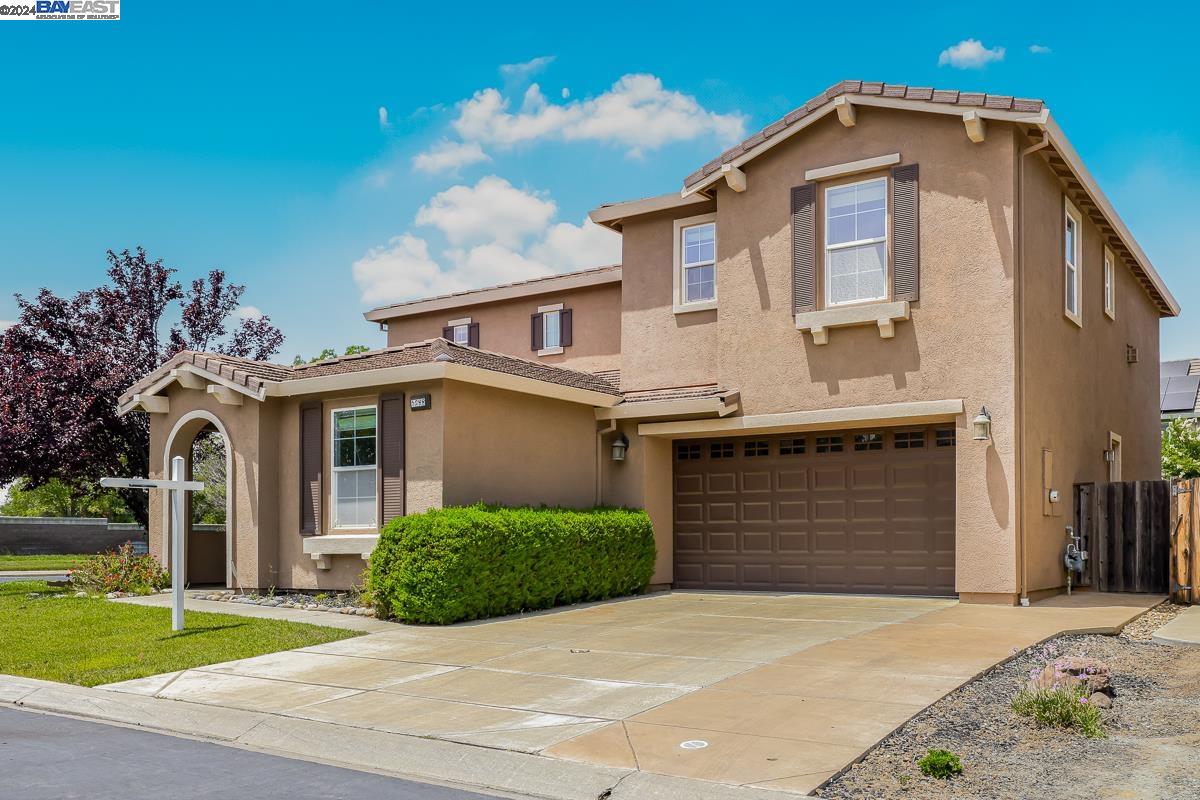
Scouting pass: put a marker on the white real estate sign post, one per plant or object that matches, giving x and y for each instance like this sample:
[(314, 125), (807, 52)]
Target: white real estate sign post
[(176, 486)]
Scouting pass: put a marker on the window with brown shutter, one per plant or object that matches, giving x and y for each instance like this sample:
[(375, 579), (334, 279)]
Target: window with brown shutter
[(473, 335), (391, 457), (906, 273), (804, 248), (564, 320), (448, 333), (535, 332), (311, 439)]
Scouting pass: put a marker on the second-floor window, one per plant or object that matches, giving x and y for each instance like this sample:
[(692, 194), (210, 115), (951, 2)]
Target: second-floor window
[(856, 246), (1110, 278), (551, 329), (461, 334), (699, 263), (1071, 264)]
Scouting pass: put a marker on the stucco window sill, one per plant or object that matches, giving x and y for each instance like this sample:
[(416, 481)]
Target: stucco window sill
[(322, 548), (884, 315), (688, 308), (550, 351)]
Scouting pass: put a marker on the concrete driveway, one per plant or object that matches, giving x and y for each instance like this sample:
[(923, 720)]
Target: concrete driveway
[(771, 691)]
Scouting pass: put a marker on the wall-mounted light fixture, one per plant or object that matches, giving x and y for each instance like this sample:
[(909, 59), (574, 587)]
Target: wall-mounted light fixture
[(982, 425), (619, 446)]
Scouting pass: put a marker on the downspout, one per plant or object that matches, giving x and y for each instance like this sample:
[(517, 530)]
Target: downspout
[(1019, 427), (602, 430)]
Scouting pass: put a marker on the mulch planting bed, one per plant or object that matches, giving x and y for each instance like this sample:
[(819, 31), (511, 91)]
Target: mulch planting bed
[(1151, 751)]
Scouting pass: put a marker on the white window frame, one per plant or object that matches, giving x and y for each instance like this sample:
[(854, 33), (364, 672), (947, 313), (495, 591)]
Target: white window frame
[(886, 239), (1073, 271), (557, 310), (334, 470), (682, 307), (464, 325), (1110, 283)]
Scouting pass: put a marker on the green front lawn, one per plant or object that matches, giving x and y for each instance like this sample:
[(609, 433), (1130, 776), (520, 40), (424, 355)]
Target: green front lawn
[(22, 563), (51, 634)]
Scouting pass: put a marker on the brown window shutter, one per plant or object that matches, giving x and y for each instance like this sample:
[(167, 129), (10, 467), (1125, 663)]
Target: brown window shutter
[(906, 242), (804, 248), (448, 333), (473, 334), (391, 458), (535, 332), (312, 417), (565, 326)]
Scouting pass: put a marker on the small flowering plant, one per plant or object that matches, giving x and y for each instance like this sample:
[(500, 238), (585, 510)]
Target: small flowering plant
[(120, 570), (1057, 698)]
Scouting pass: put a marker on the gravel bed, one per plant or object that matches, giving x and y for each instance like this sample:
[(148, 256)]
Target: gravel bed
[(336, 603), (1152, 751), (1142, 628)]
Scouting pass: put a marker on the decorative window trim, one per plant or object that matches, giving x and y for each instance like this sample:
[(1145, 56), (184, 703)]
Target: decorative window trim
[(852, 167), (886, 239), (680, 307), (884, 315), (461, 321), (334, 470), (1072, 213), (1110, 283)]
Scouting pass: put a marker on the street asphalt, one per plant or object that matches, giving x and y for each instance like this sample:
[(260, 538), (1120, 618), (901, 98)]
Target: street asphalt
[(44, 757), (14, 577)]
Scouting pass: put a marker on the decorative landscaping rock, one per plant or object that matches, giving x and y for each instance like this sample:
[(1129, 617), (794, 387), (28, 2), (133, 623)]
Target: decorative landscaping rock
[(335, 603), (1093, 675), (1100, 700)]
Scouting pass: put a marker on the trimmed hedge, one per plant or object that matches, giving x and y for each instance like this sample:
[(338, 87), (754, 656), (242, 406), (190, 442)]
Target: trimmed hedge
[(453, 564)]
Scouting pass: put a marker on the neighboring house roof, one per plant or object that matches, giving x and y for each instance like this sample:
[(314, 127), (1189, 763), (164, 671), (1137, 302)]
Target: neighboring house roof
[(973, 108), (673, 393), (1179, 388), (534, 286), (257, 379)]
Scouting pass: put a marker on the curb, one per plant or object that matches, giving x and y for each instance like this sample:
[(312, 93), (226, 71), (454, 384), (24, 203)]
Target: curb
[(469, 767)]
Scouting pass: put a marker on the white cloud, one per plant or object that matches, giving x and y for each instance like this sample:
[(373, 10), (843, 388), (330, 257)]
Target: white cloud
[(637, 113), (526, 69), (383, 118), (448, 156), (400, 270), (1039, 49), (249, 312), (496, 234), (970, 54), (492, 210)]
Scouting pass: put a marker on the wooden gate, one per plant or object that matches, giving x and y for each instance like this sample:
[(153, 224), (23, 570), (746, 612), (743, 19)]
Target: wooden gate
[(1185, 541), (1126, 529)]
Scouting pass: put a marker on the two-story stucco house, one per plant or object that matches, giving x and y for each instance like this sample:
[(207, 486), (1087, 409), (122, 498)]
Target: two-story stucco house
[(788, 370)]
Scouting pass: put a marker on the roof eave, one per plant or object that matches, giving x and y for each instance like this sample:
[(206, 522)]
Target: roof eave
[(613, 215)]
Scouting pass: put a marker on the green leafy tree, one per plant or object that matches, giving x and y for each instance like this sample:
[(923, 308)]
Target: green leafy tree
[(1181, 449), (209, 466), (57, 499), (329, 352)]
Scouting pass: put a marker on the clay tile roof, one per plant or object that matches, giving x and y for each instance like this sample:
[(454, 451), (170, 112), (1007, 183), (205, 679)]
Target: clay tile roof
[(899, 91), (254, 374), (674, 393)]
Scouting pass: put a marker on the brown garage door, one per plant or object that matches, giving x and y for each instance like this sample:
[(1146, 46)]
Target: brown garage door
[(850, 511)]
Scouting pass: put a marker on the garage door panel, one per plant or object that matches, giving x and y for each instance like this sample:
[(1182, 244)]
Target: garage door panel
[(782, 516)]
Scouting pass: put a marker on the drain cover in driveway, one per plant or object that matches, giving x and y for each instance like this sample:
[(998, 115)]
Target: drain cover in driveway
[(694, 744)]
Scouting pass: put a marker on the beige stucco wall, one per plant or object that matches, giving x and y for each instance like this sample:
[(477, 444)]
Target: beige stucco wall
[(504, 326), (1077, 385), (643, 480), (661, 348), (517, 449), (958, 344)]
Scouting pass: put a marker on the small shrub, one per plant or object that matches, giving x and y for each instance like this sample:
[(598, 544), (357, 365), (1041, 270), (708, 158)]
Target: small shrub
[(120, 570), (454, 564), (1064, 706), (940, 764)]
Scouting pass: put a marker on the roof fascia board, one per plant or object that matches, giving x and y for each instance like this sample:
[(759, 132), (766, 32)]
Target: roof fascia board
[(1037, 118), (667, 408), (612, 215), (913, 413), (447, 370), (1064, 148), (559, 283)]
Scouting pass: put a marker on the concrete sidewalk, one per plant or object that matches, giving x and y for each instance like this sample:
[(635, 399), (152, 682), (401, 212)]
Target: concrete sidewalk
[(1183, 630)]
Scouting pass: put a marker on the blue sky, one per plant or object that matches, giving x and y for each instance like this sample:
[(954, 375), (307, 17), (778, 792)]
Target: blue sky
[(253, 139)]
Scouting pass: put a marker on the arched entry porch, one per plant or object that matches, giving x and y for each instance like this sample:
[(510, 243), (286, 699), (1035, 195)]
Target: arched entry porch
[(202, 439)]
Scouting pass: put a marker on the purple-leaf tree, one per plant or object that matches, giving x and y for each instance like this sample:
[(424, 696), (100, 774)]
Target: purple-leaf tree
[(66, 361)]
